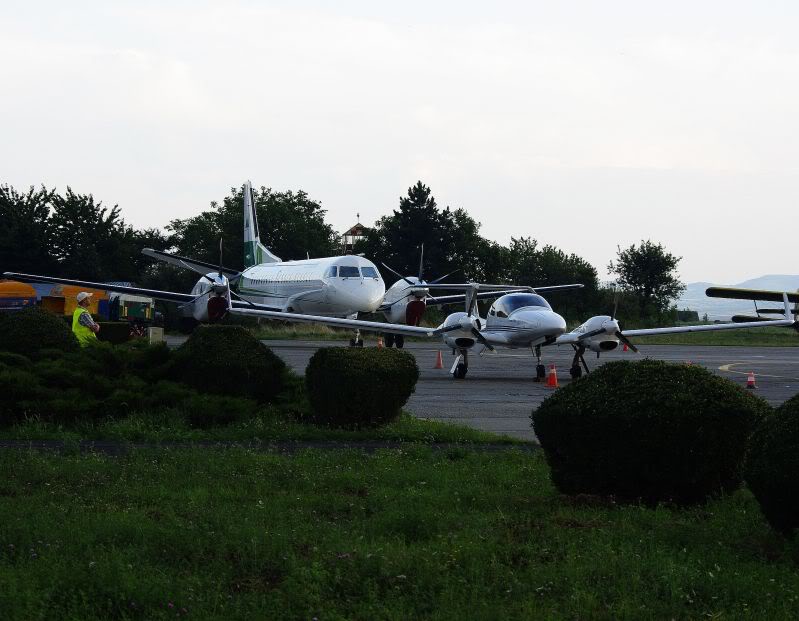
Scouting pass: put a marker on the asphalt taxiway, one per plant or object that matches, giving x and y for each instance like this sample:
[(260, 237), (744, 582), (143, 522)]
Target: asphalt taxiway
[(499, 393)]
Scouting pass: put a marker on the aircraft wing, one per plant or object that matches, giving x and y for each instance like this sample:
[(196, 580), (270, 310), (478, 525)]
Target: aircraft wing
[(733, 293), (168, 296), (776, 323), (441, 300), (339, 322)]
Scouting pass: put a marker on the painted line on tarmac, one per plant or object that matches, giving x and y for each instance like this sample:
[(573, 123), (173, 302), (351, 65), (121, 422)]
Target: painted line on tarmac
[(727, 368)]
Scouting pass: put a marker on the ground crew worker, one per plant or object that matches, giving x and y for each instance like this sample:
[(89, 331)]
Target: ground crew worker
[(83, 326)]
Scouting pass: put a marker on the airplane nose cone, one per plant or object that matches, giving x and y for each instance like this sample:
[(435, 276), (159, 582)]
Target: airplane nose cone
[(553, 324), (362, 295)]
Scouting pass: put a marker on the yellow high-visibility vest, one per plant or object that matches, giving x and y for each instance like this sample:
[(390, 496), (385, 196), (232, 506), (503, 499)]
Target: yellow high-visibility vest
[(84, 335)]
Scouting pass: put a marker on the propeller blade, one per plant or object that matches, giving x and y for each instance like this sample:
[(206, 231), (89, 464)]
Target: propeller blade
[(397, 274), (241, 299), (615, 302), (193, 300), (482, 339), (220, 257), (626, 341), (421, 263), (438, 280)]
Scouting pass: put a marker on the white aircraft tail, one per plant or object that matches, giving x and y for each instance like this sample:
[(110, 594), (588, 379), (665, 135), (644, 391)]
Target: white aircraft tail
[(254, 251)]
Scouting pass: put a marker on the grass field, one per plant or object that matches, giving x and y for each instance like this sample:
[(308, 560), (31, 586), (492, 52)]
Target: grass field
[(268, 426), (755, 337), (412, 534)]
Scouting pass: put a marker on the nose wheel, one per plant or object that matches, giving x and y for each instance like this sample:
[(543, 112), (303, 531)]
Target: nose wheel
[(461, 365), (540, 369)]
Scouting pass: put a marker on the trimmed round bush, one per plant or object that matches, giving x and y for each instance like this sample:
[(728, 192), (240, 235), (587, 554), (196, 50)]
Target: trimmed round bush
[(353, 387), (32, 329), (648, 431), (772, 471), (229, 360)]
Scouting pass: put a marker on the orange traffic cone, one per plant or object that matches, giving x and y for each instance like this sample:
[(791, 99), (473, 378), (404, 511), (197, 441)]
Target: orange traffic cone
[(625, 348), (439, 361), (380, 342), (750, 380), (552, 378)]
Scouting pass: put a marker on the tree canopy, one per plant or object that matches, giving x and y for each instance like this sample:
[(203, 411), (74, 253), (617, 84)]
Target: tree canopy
[(73, 235), (451, 239), (291, 225), (650, 273)]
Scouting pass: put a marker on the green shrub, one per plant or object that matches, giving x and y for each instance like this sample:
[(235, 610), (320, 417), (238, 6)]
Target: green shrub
[(228, 360), (648, 431), (114, 332), (356, 387), (15, 361), (21, 391), (206, 411), (30, 330), (772, 471)]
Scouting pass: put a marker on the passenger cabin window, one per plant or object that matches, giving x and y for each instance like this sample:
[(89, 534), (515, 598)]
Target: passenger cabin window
[(369, 272), (348, 271)]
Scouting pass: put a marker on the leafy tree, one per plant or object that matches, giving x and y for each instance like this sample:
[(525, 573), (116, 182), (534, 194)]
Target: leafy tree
[(291, 224), (25, 233), (650, 273), (451, 239), (90, 241)]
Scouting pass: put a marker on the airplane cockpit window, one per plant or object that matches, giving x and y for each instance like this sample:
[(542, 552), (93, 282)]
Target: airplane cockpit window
[(331, 271), (369, 272), (505, 305), (348, 271)]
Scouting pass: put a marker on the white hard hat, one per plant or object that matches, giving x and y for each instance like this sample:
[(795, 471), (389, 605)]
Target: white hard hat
[(83, 295)]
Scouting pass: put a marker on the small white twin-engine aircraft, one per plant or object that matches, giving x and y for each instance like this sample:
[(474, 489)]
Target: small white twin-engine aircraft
[(515, 320), (341, 286), (407, 299)]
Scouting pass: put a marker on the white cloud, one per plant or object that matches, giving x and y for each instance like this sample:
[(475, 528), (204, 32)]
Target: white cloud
[(582, 127)]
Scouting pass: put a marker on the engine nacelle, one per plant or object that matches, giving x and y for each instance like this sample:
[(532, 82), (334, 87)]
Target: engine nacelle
[(604, 341), (463, 338), (210, 299), (601, 344)]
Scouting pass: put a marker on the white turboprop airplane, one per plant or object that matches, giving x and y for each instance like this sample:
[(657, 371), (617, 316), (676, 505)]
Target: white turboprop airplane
[(407, 299), (341, 286), (517, 320)]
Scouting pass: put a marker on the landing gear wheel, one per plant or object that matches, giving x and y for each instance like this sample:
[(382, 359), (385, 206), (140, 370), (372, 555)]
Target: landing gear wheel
[(389, 340), (576, 372), (356, 343), (400, 341), (540, 372), (460, 371)]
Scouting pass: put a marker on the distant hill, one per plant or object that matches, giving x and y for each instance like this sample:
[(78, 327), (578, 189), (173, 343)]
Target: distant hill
[(694, 298)]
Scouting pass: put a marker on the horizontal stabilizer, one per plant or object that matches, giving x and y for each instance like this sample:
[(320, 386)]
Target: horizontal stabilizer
[(201, 267), (734, 293)]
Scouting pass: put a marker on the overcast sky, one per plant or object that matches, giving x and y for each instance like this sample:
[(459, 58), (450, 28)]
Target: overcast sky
[(581, 124)]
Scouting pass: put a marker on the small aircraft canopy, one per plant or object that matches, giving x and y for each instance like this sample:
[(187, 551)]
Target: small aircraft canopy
[(505, 305)]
